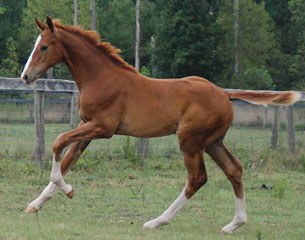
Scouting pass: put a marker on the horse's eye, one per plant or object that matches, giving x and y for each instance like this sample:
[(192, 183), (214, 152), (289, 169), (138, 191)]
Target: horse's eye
[(44, 47)]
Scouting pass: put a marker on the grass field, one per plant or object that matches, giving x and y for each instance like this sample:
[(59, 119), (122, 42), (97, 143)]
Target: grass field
[(115, 195)]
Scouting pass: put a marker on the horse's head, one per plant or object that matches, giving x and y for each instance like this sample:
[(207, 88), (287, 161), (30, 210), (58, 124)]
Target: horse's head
[(47, 51)]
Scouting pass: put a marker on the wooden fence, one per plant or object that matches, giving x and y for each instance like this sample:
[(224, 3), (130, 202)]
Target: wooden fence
[(41, 86)]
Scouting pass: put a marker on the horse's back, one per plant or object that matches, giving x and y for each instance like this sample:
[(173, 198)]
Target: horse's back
[(163, 106), (205, 95)]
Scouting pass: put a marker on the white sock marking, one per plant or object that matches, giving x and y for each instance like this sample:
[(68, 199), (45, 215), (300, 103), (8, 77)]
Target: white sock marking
[(169, 213), (57, 177), (31, 56), (46, 194), (240, 217)]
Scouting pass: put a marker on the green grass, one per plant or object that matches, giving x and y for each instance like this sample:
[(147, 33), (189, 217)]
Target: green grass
[(115, 196)]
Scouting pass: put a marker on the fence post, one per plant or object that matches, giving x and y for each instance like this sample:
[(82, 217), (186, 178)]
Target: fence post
[(291, 130), (275, 128), (142, 148), (265, 116), (39, 152), (74, 108)]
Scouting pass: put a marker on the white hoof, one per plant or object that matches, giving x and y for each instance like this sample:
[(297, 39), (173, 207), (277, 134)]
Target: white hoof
[(68, 190), (155, 223), (169, 213), (232, 226), (31, 209)]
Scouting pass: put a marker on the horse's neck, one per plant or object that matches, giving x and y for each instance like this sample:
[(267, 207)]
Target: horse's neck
[(85, 62)]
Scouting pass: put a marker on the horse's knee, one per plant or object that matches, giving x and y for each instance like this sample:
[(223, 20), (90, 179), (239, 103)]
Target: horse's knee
[(194, 184), (59, 145)]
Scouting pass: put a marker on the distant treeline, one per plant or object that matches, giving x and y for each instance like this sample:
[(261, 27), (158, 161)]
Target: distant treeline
[(249, 44)]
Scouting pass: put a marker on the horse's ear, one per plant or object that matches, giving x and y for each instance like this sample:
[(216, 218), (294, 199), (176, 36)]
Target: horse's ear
[(50, 23), (40, 24)]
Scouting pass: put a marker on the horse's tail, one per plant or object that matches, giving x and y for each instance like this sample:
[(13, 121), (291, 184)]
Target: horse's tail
[(266, 97)]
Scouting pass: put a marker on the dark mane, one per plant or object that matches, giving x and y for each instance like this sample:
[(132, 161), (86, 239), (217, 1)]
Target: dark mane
[(94, 38)]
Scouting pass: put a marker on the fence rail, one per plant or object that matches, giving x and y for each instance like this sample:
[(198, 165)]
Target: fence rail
[(59, 85), (46, 85), (40, 87), (40, 105)]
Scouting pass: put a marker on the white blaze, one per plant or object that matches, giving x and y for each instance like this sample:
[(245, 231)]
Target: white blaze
[(31, 56)]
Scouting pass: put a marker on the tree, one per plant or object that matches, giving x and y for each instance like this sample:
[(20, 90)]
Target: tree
[(186, 38), (41, 8), (9, 66), (116, 23), (287, 60), (256, 78), (10, 18), (250, 44), (297, 8)]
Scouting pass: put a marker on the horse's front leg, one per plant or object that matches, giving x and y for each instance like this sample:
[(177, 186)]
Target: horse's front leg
[(71, 156), (85, 132)]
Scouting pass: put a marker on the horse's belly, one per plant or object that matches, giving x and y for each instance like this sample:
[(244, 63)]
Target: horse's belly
[(147, 129)]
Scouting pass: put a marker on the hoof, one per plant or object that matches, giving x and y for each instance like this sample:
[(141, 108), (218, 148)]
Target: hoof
[(70, 194), (155, 223), (231, 227), (31, 209), (225, 231)]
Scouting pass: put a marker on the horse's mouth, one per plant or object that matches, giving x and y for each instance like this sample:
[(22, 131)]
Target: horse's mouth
[(28, 79)]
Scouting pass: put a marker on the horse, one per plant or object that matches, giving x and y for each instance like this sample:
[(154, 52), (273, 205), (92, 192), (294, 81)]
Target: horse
[(116, 99)]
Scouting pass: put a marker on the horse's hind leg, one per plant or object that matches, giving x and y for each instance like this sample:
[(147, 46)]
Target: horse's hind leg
[(69, 159), (196, 179), (233, 170)]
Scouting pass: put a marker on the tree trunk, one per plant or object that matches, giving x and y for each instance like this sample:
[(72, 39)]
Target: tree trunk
[(92, 15), (142, 143), (50, 73), (236, 37), (153, 56), (74, 97), (138, 30), (75, 20)]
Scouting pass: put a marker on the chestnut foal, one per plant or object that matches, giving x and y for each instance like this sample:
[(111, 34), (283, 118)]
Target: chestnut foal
[(116, 99)]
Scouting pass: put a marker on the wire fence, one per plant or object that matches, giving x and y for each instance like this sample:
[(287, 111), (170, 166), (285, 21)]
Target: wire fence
[(253, 129)]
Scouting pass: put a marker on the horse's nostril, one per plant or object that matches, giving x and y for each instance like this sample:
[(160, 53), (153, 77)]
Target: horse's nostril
[(25, 77)]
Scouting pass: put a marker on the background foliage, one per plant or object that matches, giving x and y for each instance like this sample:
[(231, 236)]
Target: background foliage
[(192, 37)]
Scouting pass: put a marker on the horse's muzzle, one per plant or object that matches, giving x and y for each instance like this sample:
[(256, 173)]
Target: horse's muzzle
[(28, 79)]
